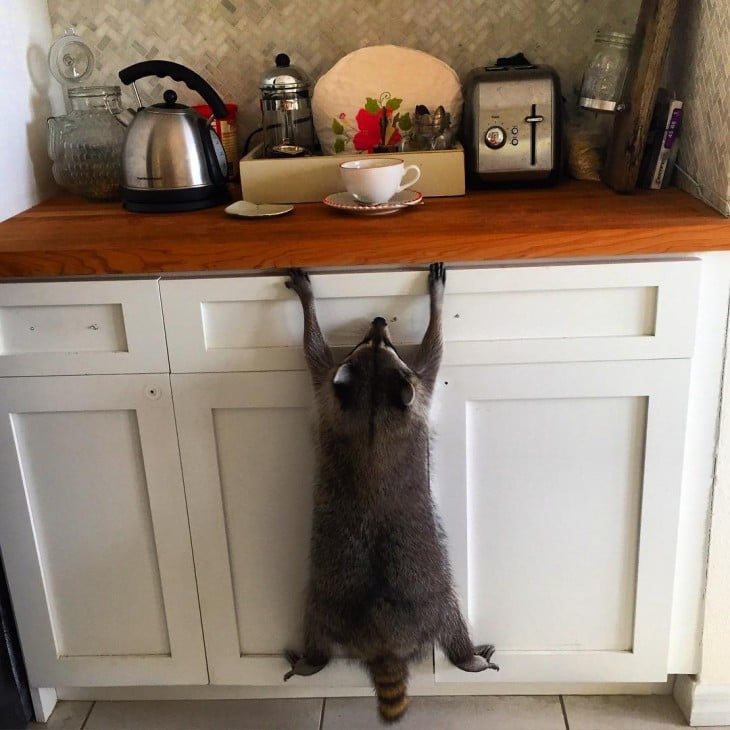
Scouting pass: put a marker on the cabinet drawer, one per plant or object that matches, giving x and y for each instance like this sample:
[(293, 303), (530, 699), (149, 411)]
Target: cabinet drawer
[(72, 327), (501, 314)]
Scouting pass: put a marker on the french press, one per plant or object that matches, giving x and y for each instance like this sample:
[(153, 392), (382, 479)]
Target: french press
[(286, 111)]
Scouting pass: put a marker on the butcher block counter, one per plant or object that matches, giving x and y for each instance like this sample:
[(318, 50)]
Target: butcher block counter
[(66, 236)]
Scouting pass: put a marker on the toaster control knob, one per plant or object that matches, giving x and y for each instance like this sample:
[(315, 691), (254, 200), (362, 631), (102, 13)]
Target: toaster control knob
[(495, 137)]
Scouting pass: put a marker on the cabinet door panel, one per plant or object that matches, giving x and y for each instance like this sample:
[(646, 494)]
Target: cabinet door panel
[(83, 521), (559, 487), (94, 532), (543, 482), (267, 505), (248, 463)]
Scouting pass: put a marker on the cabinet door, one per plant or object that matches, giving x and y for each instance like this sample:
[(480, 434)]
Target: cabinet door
[(248, 462), (559, 488), (94, 532)]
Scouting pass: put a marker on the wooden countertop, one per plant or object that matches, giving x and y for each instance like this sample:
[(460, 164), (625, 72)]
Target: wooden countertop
[(68, 237)]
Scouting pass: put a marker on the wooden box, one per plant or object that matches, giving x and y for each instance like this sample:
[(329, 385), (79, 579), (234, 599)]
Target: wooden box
[(310, 179)]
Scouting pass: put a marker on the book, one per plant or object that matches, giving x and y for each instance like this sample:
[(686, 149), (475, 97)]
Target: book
[(662, 142)]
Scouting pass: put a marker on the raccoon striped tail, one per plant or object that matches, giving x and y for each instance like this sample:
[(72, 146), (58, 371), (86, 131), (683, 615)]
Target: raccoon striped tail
[(390, 678)]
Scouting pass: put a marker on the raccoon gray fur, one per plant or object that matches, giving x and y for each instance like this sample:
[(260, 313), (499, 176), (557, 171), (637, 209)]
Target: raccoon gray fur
[(380, 583)]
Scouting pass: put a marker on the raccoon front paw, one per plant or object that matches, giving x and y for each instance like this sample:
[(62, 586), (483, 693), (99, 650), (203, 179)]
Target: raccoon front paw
[(480, 661), (299, 282), (436, 286), (301, 666), (437, 273)]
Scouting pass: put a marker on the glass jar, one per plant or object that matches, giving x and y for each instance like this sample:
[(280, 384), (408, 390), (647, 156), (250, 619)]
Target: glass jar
[(86, 144), (604, 78)]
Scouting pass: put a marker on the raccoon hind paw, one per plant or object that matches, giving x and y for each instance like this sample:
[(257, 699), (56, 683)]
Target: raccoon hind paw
[(301, 666), (480, 660)]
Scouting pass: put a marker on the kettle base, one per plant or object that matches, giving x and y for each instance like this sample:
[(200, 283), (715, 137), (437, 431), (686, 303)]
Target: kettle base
[(174, 200)]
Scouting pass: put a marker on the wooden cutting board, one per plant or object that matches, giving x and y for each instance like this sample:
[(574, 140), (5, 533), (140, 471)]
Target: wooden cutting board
[(653, 32)]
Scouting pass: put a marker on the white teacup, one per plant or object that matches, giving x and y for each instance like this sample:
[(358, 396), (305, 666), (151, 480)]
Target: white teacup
[(376, 179)]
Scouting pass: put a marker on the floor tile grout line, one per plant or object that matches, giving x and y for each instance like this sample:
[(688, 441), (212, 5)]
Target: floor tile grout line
[(321, 713), (88, 715), (565, 712)]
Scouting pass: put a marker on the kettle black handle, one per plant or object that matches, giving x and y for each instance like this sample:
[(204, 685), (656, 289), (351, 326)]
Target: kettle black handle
[(178, 72)]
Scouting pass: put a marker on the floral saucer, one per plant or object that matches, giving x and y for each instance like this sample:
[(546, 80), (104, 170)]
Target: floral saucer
[(345, 202)]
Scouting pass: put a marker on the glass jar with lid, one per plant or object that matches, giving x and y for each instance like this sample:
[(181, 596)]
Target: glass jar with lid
[(85, 145), (604, 78)]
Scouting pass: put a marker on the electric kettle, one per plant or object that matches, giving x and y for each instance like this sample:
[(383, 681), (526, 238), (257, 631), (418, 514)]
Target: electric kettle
[(172, 158)]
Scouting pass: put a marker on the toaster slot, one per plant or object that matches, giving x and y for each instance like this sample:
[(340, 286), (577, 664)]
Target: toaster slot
[(533, 138), (533, 120)]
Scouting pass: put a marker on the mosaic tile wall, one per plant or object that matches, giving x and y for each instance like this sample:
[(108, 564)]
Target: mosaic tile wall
[(700, 71), (232, 43)]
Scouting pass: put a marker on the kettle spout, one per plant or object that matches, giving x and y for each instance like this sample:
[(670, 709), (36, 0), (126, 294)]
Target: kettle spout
[(125, 116)]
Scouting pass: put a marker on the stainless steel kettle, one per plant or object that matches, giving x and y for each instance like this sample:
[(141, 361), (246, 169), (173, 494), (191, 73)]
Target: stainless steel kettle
[(172, 158)]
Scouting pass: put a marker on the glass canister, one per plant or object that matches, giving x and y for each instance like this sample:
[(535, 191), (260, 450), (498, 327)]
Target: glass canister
[(86, 144), (604, 78), (286, 111)]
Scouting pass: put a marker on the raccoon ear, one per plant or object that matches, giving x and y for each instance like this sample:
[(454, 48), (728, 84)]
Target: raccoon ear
[(407, 393), (342, 384), (343, 376)]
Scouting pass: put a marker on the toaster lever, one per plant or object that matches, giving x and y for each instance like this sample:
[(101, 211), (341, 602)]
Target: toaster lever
[(533, 120)]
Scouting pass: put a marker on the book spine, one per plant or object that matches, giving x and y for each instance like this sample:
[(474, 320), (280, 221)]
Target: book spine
[(669, 140)]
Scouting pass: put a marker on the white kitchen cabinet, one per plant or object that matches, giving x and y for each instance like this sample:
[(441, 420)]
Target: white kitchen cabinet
[(559, 487), (94, 532), (248, 461), (559, 468), (558, 444)]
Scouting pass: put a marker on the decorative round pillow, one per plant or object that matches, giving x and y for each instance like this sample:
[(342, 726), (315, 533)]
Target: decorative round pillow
[(366, 102)]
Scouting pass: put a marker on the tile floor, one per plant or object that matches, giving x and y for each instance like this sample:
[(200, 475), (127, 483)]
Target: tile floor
[(425, 713)]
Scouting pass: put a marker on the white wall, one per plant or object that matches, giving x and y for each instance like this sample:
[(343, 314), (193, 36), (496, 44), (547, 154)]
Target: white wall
[(716, 633), (30, 95)]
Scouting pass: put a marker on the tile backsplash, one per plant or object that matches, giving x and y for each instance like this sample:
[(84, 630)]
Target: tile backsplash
[(231, 43), (699, 69)]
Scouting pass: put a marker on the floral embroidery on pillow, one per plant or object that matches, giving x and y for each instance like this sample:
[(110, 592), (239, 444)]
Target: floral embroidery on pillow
[(378, 124)]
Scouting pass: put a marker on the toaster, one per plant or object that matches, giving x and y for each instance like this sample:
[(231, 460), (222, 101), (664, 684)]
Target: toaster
[(512, 125)]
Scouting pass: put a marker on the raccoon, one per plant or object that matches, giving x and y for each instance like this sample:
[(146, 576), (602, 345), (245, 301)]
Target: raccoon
[(380, 583)]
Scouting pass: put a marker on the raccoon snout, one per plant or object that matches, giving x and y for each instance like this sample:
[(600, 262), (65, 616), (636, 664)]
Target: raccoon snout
[(378, 335)]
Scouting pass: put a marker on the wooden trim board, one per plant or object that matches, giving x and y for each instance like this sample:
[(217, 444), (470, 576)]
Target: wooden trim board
[(654, 28)]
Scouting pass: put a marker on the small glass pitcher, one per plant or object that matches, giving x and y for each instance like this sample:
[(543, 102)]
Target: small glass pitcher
[(86, 144)]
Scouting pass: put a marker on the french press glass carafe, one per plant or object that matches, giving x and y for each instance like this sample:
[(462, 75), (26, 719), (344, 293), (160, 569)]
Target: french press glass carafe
[(286, 111)]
